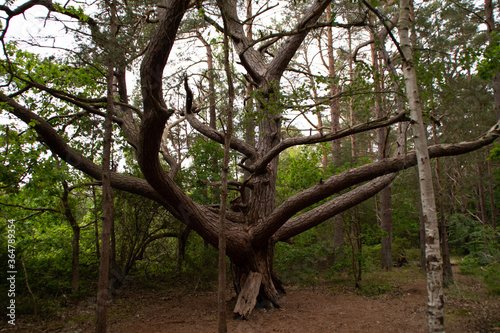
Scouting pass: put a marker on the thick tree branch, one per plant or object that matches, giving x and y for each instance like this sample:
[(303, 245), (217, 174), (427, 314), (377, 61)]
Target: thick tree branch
[(262, 163), (59, 147), (197, 217), (252, 60), (156, 115), (352, 177), (291, 45), (183, 211), (217, 136), (331, 208)]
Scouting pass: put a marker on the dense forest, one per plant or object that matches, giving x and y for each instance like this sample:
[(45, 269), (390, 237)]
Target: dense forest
[(273, 142)]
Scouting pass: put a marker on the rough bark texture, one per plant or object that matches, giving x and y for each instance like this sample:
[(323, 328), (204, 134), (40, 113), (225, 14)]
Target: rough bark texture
[(435, 305), (492, 201)]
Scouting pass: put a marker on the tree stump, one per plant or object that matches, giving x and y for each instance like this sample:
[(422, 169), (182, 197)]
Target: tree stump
[(248, 295)]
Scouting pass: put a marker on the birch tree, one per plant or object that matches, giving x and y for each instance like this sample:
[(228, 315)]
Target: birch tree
[(435, 303)]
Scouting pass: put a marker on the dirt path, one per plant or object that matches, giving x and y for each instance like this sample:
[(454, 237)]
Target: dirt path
[(319, 309), (315, 310)]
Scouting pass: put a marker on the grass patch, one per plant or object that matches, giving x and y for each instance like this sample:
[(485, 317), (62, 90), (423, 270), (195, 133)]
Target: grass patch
[(375, 288), (376, 281)]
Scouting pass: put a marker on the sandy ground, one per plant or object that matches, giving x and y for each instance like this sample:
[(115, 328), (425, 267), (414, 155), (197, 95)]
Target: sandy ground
[(304, 309)]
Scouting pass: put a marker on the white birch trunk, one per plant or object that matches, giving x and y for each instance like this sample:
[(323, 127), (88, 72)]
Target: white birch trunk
[(435, 303)]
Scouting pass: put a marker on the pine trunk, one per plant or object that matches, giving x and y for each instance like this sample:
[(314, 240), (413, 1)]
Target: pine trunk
[(383, 152), (334, 102), (443, 233), (107, 191), (75, 241), (259, 261)]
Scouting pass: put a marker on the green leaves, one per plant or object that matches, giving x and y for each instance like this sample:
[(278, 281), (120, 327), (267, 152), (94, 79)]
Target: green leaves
[(76, 12), (495, 152), (490, 65), (24, 67)]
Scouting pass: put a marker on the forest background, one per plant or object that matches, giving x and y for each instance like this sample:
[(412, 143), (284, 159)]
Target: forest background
[(344, 78)]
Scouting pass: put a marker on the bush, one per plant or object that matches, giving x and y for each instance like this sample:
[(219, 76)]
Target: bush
[(301, 262), (492, 278)]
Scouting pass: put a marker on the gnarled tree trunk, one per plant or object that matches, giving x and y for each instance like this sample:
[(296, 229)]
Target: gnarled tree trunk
[(259, 260)]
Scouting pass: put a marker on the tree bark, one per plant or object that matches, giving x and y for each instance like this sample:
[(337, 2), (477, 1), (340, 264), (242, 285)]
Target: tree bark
[(96, 225), (334, 102), (490, 20), (259, 260), (222, 318), (383, 152), (75, 241), (422, 238), (492, 200), (351, 99), (435, 305), (445, 250), (107, 191), (247, 298)]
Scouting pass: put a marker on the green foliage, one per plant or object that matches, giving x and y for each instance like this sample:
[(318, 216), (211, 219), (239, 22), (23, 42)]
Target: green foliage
[(490, 65), (72, 11), (469, 236), (207, 162), (303, 261), (495, 151), (138, 221), (375, 288), (199, 269), (299, 169), (64, 75), (490, 273), (492, 278), (480, 244)]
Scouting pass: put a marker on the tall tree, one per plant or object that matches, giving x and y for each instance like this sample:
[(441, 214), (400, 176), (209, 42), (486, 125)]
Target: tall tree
[(107, 191), (494, 39), (256, 223), (435, 305), (385, 210)]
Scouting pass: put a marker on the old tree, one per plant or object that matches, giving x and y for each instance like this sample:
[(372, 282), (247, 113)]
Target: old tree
[(63, 98)]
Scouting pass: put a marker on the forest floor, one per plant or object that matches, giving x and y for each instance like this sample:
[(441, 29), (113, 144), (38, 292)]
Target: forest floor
[(389, 302)]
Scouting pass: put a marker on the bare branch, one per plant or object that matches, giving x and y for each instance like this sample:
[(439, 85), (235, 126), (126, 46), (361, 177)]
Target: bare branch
[(367, 172), (37, 209), (331, 208), (382, 122), (383, 21)]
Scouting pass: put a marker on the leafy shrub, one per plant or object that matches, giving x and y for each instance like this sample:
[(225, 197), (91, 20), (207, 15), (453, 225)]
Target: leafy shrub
[(301, 262), (492, 278)]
